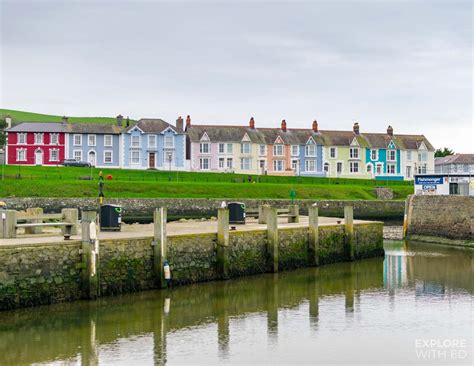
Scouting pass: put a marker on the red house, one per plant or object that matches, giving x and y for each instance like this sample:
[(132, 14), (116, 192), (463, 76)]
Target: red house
[(36, 143)]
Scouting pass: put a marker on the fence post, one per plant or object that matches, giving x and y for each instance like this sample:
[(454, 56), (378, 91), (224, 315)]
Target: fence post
[(272, 239), (313, 235), (223, 243), (90, 255), (262, 213), (349, 231), (7, 224), (34, 230), (159, 244), (293, 214), (70, 215)]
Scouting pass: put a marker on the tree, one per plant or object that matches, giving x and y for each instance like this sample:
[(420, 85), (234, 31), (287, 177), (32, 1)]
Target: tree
[(3, 139), (441, 153)]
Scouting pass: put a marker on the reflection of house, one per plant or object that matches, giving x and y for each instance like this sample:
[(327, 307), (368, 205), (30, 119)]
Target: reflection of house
[(36, 143), (458, 163)]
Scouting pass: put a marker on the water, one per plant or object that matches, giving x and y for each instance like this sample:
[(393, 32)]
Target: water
[(413, 306)]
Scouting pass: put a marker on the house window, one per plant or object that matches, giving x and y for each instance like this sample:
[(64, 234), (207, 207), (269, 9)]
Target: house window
[(229, 148), (204, 148), (53, 138), (21, 155), (278, 150), (108, 157), (392, 155), (391, 169), (245, 164), (354, 167), (339, 167), (78, 155), (326, 167), (294, 165), (422, 156), (91, 140), (221, 163), (373, 154), (262, 150), (354, 153), (77, 140), (369, 168), (204, 164), (332, 153), (152, 141), (245, 148), (22, 138), (422, 169), (38, 138), (135, 141), (408, 173), (310, 150), (108, 140), (278, 165), (310, 165), (295, 150), (378, 169), (169, 141), (135, 157), (54, 155), (221, 148), (229, 163), (409, 155)]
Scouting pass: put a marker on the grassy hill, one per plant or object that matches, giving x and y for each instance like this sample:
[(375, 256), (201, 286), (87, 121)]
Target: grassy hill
[(20, 116)]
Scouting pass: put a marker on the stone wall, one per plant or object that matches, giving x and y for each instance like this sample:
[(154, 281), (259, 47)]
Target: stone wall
[(189, 207), (441, 216), (44, 274)]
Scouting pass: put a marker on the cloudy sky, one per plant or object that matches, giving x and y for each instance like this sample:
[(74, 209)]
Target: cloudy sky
[(407, 63)]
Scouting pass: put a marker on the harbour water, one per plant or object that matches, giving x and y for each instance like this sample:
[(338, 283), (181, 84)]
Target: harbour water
[(412, 306)]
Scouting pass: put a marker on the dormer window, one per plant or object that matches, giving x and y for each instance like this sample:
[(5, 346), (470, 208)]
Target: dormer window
[(135, 141), (204, 148), (354, 153), (391, 155)]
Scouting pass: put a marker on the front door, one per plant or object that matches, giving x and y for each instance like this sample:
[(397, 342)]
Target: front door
[(92, 158), (39, 157), (151, 161)]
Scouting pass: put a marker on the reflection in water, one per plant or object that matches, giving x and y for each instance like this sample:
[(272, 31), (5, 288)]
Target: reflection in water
[(377, 304)]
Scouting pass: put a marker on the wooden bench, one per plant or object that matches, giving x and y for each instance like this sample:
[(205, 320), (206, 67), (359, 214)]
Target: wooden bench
[(67, 227)]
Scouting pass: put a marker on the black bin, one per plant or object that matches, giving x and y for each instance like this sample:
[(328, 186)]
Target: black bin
[(236, 212), (110, 217)]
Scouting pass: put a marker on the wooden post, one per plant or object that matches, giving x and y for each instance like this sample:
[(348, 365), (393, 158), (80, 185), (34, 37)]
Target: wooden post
[(223, 243), (349, 231), (262, 213), (7, 224), (159, 244), (313, 247), (293, 214), (70, 215), (34, 230), (272, 239), (90, 255)]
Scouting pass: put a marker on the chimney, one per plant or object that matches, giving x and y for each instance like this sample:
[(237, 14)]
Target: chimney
[(179, 124), (283, 125), (390, 130), (315, 126), (356, 128), (188, 121), (8, 121), (119, 120), (252, 123), (64, 119), (128, 122)]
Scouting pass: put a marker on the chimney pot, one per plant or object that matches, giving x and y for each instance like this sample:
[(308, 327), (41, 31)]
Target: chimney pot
[(315, 126), (356, 128), (119, 120), (283, 125), (188, 121), (64, 119), (252, 123), (179, 124), (390, 130), (8, 121)]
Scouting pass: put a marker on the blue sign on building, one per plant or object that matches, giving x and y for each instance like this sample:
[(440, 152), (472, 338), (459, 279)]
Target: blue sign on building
[(429, 180)]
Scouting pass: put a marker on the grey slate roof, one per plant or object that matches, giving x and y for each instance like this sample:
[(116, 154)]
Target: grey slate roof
[(39, 127), (455, 159), (153, 125), (94, 128)]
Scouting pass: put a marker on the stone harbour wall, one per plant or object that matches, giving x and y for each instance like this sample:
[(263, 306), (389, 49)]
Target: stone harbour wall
[(49, 273)]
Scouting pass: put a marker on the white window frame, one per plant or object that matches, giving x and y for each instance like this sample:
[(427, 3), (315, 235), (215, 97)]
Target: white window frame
[(295, 150), (53, 136), (326, 167), (245, 148), (307, 166), (133, 139), (245, 164), (276, 164), (391, 165), (294, 164), (352, 153), (221, 148), (231, 161), (18, 151), (389, 153), (111, 140), (201, 148), (168, 138), (51, 155), (262, 150), (132, 153), (74, 137), (149, 140), (378, 169), (41, 140), (422, 156), (331, 149), (230, 148), (276, 147), (111, 157), (23, 135), (409, 157), (354, 167), (89, 137), (202, 165), (408, 171), (77, 152), (374, 154), (342, 167), (308, 147), (221, 163)]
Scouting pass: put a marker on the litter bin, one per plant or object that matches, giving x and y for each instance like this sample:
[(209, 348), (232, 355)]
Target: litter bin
[(236, 212), (110, 217)]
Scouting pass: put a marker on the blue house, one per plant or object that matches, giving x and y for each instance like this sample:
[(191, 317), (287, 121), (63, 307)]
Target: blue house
[(154, 144)]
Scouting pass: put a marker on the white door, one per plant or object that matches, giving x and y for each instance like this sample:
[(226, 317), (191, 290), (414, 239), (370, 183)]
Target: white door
[(39, 157), (92, 158)]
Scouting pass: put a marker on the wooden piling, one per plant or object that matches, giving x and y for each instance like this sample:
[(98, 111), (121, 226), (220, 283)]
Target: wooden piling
[(313, 247), (70, 215), (349, 231), (293, 214), (262, 213), (8, 224), (272, 239), (89, 255), (159, 244), (223, 243)]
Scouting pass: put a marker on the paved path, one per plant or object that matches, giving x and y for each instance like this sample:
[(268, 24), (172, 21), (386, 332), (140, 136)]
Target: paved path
[(173, 228)]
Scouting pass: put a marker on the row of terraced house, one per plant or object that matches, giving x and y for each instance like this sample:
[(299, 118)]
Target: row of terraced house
[(156, 144)]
